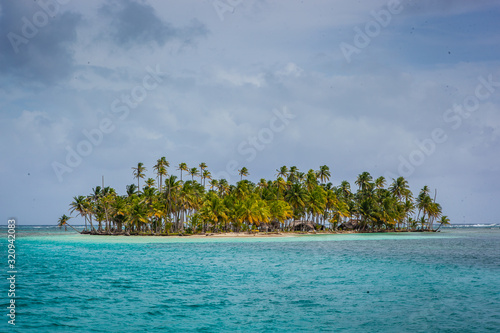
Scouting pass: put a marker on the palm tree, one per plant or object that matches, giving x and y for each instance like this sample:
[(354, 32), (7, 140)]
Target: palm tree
[(213, 210), (252, 211), (409, 209), (107, 200), (63, 220), (311, 180), (316, 203), (426, 190), (89, 210), (324, 173), (150, 200), (280, 211), (214, 183), (363, 181), (131, 190), (280, 186), (150, 182), (345, 189), (137, 215), (292, 174), (202, 166), (423, 201), (400, 188), (300, 176), (339, 209), (380, 182), (434, 211), (422, 223), (96, 205), (297, 197), (182, 167), (206, 175), (223, 187), (78, 205), (282, 172), (243, 172), (161, 170), (193, 172), (444, 221), (139, 173), (119, 210), (171, 195), (261, 186)]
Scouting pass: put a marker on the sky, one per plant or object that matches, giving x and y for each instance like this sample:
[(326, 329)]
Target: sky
[(396, 88)]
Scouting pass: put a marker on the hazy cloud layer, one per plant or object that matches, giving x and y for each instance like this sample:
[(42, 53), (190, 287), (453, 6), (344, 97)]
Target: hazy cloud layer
[(258, 84), (132, 23), (36, 47)]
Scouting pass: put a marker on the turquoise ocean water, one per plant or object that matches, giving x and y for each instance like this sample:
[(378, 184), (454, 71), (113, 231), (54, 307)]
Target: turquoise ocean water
[(440, 282)]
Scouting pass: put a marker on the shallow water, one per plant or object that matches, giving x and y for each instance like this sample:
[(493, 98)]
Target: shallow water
[(445, 282)]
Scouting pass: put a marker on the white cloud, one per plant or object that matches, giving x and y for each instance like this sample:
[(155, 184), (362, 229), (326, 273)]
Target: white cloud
[(290, 69), (142, 133), (39, 129), (238, 79)]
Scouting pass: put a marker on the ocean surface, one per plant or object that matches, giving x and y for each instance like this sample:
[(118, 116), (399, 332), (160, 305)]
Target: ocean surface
[(406, 282)]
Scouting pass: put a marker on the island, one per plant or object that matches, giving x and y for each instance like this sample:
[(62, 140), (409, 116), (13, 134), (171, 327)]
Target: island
[(294, 202)]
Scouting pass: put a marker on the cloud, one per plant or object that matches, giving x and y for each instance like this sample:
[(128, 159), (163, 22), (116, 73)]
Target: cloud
[(146, 134), (446, 8), (215, 95), (238, 79), (40, 131), (36, 43), (290, 69), (133, 23)]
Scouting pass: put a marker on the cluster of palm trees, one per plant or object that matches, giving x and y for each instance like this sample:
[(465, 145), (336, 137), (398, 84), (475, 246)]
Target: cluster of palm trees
[(167, 205)]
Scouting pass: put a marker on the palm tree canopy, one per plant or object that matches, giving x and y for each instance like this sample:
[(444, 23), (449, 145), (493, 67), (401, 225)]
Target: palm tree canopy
[(175, 204), (324, 173), (139, 170), (363, 180), (243, 172), (182, 167), (444, 220), (63, 220), (282, 172), (400, 188)]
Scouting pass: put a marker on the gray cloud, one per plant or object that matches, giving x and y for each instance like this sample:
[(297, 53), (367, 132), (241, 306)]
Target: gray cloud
[(448, 7), (36, 47), (133, 23), (354, 118)]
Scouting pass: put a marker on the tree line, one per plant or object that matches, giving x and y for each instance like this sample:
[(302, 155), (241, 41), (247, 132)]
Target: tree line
[(293, 201)]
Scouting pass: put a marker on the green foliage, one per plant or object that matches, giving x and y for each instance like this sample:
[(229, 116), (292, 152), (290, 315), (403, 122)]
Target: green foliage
[(167, 205)]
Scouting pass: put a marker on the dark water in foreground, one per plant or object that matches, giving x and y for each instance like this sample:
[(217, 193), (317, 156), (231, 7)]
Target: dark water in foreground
[(440, 282)]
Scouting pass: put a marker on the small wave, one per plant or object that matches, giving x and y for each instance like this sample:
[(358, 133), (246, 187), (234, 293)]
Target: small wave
[(478, 225)]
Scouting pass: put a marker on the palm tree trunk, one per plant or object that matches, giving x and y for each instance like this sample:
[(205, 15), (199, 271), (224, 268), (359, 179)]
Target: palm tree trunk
[(72, 227), (91, 225)]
